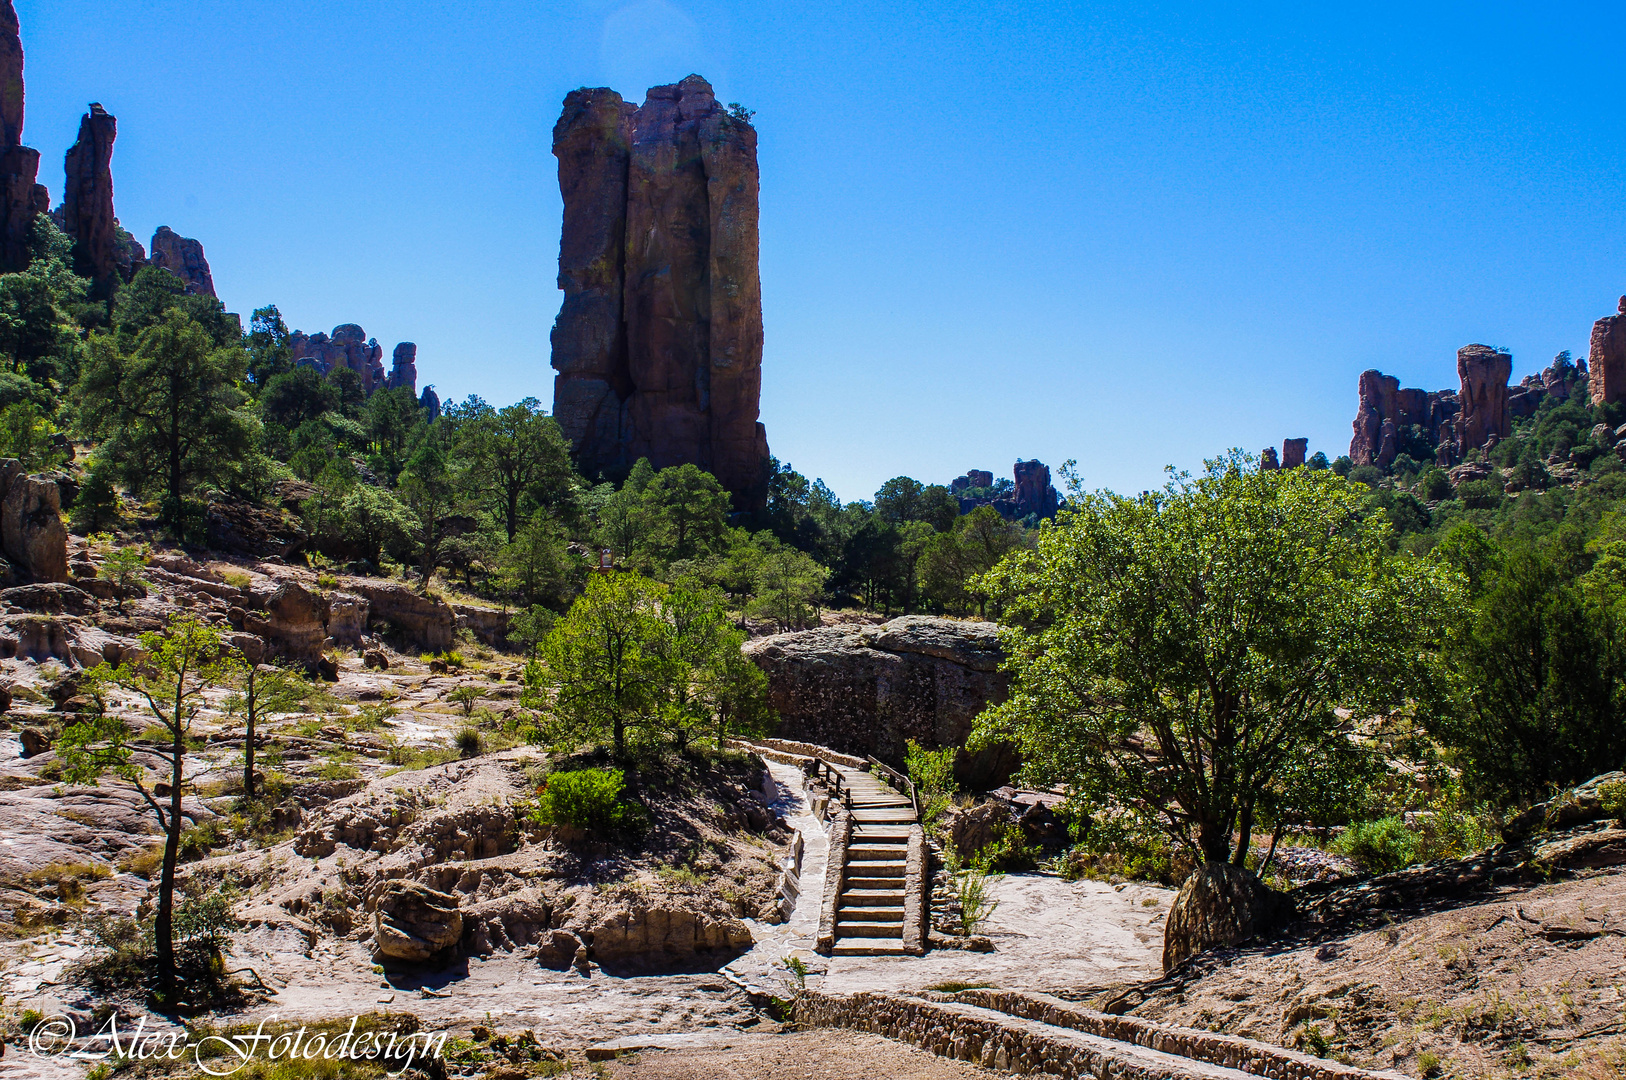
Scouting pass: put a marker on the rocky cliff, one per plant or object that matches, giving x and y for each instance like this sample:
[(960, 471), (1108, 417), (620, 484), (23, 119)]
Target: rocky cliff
[(404, 367), (21, 199), (658, 343), (1032, 492), (183, 257), (1607, 359), (87, 197), (870, 689), (1484, 372)]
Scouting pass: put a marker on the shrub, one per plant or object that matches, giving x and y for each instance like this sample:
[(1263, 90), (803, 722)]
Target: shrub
[(469, 742), (466, 696), (586, 798), (1380, 846), (933, 774), (1613, 798)]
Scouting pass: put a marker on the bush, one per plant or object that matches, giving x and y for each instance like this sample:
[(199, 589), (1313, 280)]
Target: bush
[(586, 798), (1381, 846), (469, 742), (933, 774), (1613, 798)]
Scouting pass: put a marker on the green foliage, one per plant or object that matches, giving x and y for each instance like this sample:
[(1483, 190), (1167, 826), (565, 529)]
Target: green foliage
[(587, 799), (1612, 797), (465, 696), (169, 410), (1379, 847), (1182, 653), (952, 563), (648, 665), (519, 461), (933, 774), (788, 585), (26, 434)]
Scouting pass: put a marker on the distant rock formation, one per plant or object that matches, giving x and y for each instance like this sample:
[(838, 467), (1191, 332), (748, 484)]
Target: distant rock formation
[(973, 478), (21, 199), (429, 402), (349, 347), (1484, 372), (1293, 451), (404, 367), (87, 198), (182, 257), (1607, 358), (1385, 410), (1034, 493), (1267, 459), (658, 343)]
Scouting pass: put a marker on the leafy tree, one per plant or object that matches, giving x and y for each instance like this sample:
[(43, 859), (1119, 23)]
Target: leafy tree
[(788, 585), (428, 488), (28, 435), (258, 690), (689, 511), (1184, 651), (391, 418), (951, 563), (170, 411), (537, 566), (903, 499), (269, 353), (153, 293), (518, 458), (179, 666), (1538, 669), (296, 397)]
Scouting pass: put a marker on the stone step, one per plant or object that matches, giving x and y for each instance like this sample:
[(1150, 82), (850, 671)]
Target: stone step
[(869, 930), (876, 868), (868, 947), (874, 884), (884, 817), (878, 897), (875, 852), (860, 913)]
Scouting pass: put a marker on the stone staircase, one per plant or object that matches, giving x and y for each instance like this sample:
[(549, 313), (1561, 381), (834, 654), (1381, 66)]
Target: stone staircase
[(870, 905)]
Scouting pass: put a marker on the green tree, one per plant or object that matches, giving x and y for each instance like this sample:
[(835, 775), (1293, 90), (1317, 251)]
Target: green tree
[(788, 585), (295, 397), (518, 459), (170, 411), (952, 563), (269, 353), (689, 510), (391, 419), (258, 690), (1184, 652), (537, 566), (428, 488), (179, 666)]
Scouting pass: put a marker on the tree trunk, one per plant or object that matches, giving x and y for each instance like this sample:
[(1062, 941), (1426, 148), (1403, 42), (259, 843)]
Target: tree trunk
[(248, 740), (164, 924), (1245, 836)]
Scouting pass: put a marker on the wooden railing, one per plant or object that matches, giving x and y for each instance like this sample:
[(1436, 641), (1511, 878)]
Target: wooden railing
[(897, 780)]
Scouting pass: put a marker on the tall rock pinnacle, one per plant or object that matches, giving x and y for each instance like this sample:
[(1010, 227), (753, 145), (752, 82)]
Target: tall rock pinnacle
[(658, 344), (87, 199), (183, 257), (21, 199)]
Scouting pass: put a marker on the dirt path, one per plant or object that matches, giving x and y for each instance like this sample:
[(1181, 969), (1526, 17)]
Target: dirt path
[(820, 1054)]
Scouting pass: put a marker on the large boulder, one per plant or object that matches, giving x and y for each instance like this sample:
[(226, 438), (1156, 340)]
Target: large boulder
[(1580, 804), (241, 528), (973, 828), (1220, 904), (429, 623), (662, 936), (346, 618), (415, 924), (870, 689), (294, 623), (31, 529)]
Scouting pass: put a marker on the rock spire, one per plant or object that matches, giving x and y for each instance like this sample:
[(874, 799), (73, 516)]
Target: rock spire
[(1484, 372), (1607, 359), (658, 343), (87, 198), (21, 199), (182, 257)]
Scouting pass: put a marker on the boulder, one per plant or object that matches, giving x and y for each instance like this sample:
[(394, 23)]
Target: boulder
[(50, 598), (35, 741), (241, 528), (973, 828), (31, 530), (658, 344), (375, 658), (292, 624), (35, 637), (870, 689), (1034, 493), (662, 936), (558, 949), (252, 648), (1268, 462), (1581, 803), (5, 699), (415, 924), (429, 623), (1220, 904), (346, 618)]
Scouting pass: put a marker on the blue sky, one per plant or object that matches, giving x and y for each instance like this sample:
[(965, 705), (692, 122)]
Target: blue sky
[(1133, 235)]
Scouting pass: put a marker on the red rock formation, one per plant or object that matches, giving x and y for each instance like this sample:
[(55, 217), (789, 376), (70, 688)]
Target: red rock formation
[(404, 367), (1034, 493), (658, 344), (349, 347), (21, 199), (1606, 363), (182, 257), (1385, 408), (87, 198), (1268, 461), (1484, 372), (1293, 451)]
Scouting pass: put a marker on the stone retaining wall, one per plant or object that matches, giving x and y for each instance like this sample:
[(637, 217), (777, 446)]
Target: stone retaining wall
[(841, 831), (916, 895), (1018, 1042)]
